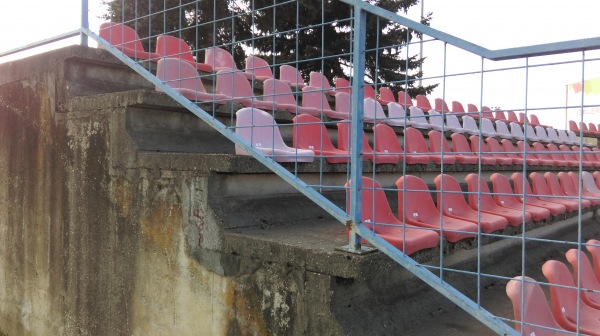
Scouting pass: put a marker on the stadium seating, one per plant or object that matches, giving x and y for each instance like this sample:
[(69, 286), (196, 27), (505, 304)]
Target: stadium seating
[(487, 128), (524, 148), (504, 196), (479, 147), (259, 129), (460, 147), (581, 266), (497, 152), (292, 76), (511, 116), (404, 99), (564, 187), (234, 86), (386, 96), (522, 187), (258, 68), (315, 98), (417, 118), (502, 130), (278, 91), (423, 103), (126, 40), (593, 246), (457, 107), (386, 141), (343, 85), (553, 136), (557, 154), (415, 143), (183, 78), (310, 133), (437, 139), (540, 152), (373, 111), (470, 125), (441, 106), (510, 151), (172, 47), (221, 60), (453, 124), (317, 80), (436, 120), (541, 133), (516, 131), (540, 189), (344, 143), (343, 104), (397, 116)]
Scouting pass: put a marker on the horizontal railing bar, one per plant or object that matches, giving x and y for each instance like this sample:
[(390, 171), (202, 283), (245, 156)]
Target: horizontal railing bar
[(40, 43)]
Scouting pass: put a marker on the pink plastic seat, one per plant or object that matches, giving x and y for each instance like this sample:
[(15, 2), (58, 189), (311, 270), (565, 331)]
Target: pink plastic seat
[(487, 112), (397, 116), (588, 279), (569, 155), (436, 121), (511, 152), (386, 141), (343, 104), (386, 95), (258, 68), (498, 152), (524, 147), (516, 131), (453, 203), (234, 86), (485, 203), (531, 199), (592, 128), (593, 246), (423, 103), (525, 293), (562, 185), (453, 124), (126, 40), (477, 146), (457, 107), (316, 99), (344, 143), (540, 152), (378, 217), (417, 118), (441, 106), (280, 92), (461, 148), (597, 177), (523, 119), (182, 77), (317, 80), (436, 140), (487, 128), (503, 195), (558, 155), (416, 207), (173, 47), (564, 301), (292, 76), (502, 130), (541, 133), (404, 99), (590, 156), (258, 128), (373, 111), (540, 188), (415, 143), (222, 60), (310, 133), (343, 85)]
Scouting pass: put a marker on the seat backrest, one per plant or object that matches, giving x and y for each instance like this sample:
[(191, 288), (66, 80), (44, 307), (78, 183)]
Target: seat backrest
[(517, 179), (423, 103), (386, 94), (317, 80), (258, 66), (573, 126), (457, 107), (396, 111), (120, 35), (415, 142), (556, 153), (314, 97), (486, 112), (460, 144), (450, 194), (582, 266), (540, 151), (509, 148), (414, 200), (573, 137), (534, 120), (290, 74), (373, 110), (278, 91), (173, 47), (475, 184), (404, 99), (477, 144), (369, 91), (516, 130), (525, 294), (554, 185), (233, 84), (563, 136), (417, 115), (593, 246), (487, 126), (494, 146), (452, 121), (502, 189), (531, 133), (470, 124), (583, 127), (523, 118), (502, 128), (342, 85), (375, 207), (441, 106), (258, 128), (524, 147), (436, 118), (588, 182), (345, 138), (538, 182), (310, 133), (500, 115), (592, 128), (472, 108), (386, 140), (343, 102), (540, 132), (511, 116), (436, 140), (564, 300), (219, 58), (553, 135), (568, 185), (179, 74)]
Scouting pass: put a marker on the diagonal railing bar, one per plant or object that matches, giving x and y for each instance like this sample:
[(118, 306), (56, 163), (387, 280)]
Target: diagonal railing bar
[(295, 182), (494, 55)]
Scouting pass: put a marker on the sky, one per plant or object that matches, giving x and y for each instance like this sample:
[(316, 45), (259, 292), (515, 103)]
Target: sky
[(491, 24)]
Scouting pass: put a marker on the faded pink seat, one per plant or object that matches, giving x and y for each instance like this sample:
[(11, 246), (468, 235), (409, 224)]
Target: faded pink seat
[(343, 105), (504, 196), (173, 47), (454, 205), (373, 111), (310, 133), (222, 60), (378, 217), (258, 68), (397, 116), (344, 143), (416, 207), (126, 40), (417, 118), (369, 91), (234, 86), (292, 76), (386, 141), (317, 80), (525, 293), (588, 279), (183, 78), (260, 130), (280, 93), (554, 208), (315, 98)]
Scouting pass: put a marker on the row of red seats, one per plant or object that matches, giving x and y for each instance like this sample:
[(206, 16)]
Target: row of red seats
[(454, 218), (573, 309), (587, 129)]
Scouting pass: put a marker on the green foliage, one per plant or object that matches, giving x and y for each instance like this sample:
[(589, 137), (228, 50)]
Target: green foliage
[(315, 33)]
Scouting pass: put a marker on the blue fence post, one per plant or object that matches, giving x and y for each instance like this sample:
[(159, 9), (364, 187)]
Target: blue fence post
[(358, 74), (84, 21)]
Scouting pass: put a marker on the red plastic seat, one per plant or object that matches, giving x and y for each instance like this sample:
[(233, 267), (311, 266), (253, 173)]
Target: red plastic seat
[(510, 151), (564, 188), (523, 119), (535, 121), (183, 77), (404, 99), (453, 203), (525, 293), (315, 98), (485, 203), (222, 60), (597, 177), (569, 155), (386, 96), (173, 47), (524, 147), (457, 107), (588, 279), (344, 143), (593, 246), (127, 40), (540, 188), (540, 152), (416, 207), (258, 128), (592, 128), (460, 147), (573, 126), (500, 115), (511, 116), (368, 91), (477, 146), (498, 152), (317, 80), (473, 111), (386, 141), (487, 112), (415, 143), (589, 189), (343, 85), (292, 76), (587, 159), (377, 216), (343, 104), (279, 92), (589, 156), (423, 103), (564, 301), (557, 154), (554, 208), (503, 195), (310, 133), (436, 139), (234, 86), (258, 68), (441, 106)]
